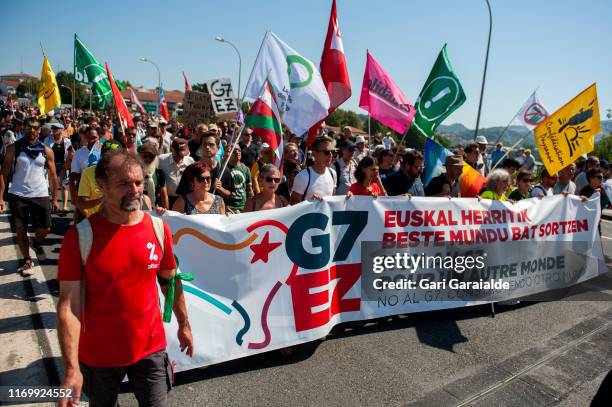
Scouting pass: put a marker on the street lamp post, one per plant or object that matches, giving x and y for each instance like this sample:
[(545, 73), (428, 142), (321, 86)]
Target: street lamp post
[(158, 79), (88, 90), (221, 39), (484, 74), (71, 94)]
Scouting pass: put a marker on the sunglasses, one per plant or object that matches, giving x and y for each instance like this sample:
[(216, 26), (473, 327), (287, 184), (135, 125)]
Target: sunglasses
[(132, 134), (526, 180), (202, 178), (28, 127), (598, 176), (148, 156), (326, 152), (270, 179)]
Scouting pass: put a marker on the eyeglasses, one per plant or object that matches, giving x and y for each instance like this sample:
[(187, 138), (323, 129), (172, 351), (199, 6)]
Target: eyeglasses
[(202, 178), (270, 179), (326, 152), (597, 176)]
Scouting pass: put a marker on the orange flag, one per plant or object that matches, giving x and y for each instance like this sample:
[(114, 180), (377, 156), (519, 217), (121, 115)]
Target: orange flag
[(471, 182)]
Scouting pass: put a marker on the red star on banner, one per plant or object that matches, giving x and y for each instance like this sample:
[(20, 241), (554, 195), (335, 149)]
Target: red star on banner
[(263, 249)]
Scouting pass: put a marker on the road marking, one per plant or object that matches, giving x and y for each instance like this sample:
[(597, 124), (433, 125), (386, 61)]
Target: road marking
[(540, 362)]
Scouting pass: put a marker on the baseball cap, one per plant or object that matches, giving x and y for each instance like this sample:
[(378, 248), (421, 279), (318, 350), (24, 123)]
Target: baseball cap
[(162, 121), (152, 124), (360, 139), (56, 125)]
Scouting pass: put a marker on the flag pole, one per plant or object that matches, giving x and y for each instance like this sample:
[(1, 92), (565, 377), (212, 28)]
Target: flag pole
[(74, 82), (369, 134), (511, 120), (484, 73), (511, 149)]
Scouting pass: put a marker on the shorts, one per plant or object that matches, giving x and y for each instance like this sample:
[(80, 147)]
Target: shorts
[(36, 210), (151, 379)]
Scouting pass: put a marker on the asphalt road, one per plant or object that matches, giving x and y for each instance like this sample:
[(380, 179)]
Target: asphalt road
[(534, 353)]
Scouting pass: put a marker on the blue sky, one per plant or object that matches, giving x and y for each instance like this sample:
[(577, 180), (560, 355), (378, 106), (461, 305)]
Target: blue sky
[(559, 46)]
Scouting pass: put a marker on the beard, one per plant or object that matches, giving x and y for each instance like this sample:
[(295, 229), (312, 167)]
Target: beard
[(131, 202)]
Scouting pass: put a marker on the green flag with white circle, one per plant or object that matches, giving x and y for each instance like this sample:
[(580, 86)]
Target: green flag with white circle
[(441, 95)]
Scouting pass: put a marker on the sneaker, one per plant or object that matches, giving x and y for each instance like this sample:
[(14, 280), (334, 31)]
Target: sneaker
[(27, 268), (38, 249)]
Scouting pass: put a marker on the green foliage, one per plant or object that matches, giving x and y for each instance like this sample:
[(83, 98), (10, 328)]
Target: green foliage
[(125, 84), (341, 118), (200, 87), (27, 87), (603, 148), (67, 80)]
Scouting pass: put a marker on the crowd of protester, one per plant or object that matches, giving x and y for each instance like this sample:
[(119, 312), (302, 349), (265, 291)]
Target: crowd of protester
[(111, 175), (183, 167)]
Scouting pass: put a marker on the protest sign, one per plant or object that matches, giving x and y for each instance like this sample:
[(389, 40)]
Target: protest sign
[(196, 108), (271, 279), (222, 96)]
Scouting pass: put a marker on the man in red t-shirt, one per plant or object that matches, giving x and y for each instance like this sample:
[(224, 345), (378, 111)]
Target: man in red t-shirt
[(118, 330)]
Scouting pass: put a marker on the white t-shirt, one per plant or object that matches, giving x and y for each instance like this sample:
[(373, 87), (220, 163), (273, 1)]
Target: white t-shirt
[(320, 184), (84, 158), (388, 142)]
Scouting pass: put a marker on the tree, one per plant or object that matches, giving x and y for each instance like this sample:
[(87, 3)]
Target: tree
[(67, 80), (603, 148), (125, 84), (341, 118), (200, 87), (27, 88)]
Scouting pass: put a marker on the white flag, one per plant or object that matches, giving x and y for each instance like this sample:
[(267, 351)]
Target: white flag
[(297, 83), (532, 112)]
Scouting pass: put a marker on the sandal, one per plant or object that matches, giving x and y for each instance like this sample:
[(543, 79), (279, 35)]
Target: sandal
[(27, 268)]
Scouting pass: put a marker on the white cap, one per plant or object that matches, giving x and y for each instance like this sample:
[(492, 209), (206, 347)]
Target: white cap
[(360, 139), (265, 145)]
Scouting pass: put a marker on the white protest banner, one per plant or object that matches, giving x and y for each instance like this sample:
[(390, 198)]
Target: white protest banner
[(271, 279), (222, 96), (607, 186)]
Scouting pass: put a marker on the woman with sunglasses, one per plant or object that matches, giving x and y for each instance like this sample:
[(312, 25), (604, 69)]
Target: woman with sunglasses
[(193, 191), (269, 178), (524, 180), (368, 179)]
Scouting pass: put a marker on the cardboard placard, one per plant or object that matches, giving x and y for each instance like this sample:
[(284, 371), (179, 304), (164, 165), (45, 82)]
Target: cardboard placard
[(197, 108), (222, 96)]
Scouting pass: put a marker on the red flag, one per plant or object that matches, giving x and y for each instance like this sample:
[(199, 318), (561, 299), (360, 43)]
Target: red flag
[(122, 110), (333, 69), (187, 85), (163, 106)]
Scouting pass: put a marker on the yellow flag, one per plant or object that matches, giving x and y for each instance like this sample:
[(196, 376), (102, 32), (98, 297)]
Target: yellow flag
[(569, 132), (48, 92)]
